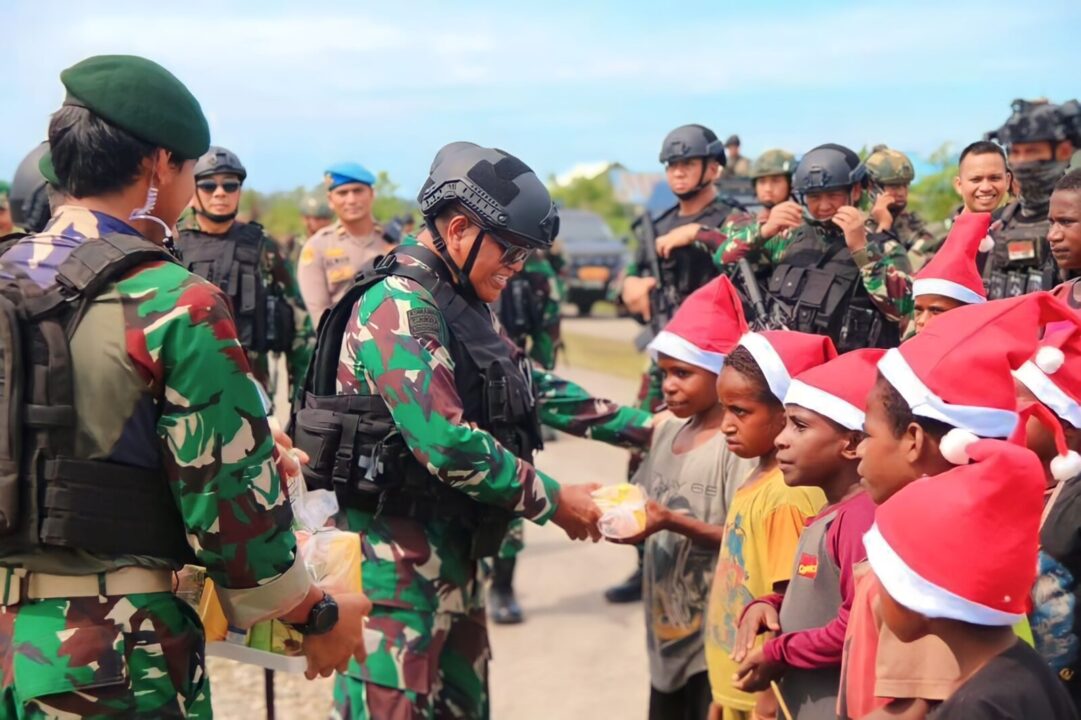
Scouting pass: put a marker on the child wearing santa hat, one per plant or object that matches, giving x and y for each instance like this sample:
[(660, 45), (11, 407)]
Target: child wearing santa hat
[(955, 555), (825, 407), (689, 477), (1053, 378), (950, 383), (765, 517), (1064, 236), (951, 278)]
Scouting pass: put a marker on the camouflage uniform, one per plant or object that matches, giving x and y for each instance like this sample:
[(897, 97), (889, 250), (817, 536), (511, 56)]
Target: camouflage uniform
[(161, 382), (432, 661), (886, 166)]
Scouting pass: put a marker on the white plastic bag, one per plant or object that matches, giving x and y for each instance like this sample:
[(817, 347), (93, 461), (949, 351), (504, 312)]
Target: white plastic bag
[(623, 510)]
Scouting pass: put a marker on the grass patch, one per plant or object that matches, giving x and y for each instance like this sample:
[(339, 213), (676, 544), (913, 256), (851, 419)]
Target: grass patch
[(603, 355)]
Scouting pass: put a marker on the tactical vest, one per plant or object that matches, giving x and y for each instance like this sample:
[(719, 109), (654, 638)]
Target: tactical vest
[(688, 268), (1020, 262), (48, 496), (822, 293), (358, 451), (264, 320)]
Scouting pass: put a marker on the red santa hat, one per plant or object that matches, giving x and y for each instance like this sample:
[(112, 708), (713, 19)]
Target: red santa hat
[(1053, 374), (962, 545), (783, 354), (839, 388), (952, 272), (706, 327), (958, 370)]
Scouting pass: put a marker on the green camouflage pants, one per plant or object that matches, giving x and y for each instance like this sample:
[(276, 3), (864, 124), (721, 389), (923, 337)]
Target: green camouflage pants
[(429, 665), (133, 656)]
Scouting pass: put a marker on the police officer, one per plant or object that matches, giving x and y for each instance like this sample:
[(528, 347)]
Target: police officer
[(246, 264), (332, 256), (830, 274), (147, 443), (1038, 139), (424, 418), (890, 173)]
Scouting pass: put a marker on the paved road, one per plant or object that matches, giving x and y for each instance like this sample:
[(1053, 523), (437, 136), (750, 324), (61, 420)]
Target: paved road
[(620, 329), (574, 657)]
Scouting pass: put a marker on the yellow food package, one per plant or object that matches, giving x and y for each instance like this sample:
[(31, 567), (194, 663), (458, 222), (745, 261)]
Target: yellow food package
[(214, 623), (333, 559), (623, 510)]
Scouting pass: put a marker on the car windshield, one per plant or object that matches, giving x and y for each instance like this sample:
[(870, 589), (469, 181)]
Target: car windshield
[(580, 226)]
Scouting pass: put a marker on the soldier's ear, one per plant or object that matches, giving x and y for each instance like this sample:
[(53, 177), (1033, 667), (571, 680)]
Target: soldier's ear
[(1064, 151)]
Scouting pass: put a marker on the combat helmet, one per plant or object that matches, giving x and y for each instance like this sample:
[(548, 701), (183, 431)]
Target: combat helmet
[(773, 162), (827, 167), (692, 141), (499, 191), (889, 167), (312, 206), (1032, 121), (29, 195), (219, 160)]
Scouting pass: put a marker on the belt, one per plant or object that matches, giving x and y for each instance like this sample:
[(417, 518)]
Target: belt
[(17, 584)]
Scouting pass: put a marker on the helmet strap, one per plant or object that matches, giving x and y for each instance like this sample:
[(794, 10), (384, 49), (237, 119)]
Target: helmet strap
[(703, 183), (461, 274), (200, 210)]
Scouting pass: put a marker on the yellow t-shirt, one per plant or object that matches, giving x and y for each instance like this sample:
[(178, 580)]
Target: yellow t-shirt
[(761, 532)]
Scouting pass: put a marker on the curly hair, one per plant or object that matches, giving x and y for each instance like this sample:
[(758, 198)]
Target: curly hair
[(900, 414), (744, 363)]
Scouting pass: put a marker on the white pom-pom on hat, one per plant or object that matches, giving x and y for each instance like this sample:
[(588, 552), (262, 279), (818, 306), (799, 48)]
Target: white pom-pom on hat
[(1064, 467), (954, 446), (987, 244), (1049, 359)]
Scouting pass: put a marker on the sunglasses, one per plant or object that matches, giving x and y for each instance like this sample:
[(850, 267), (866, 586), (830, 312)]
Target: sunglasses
[(512, 254), (209, 186)]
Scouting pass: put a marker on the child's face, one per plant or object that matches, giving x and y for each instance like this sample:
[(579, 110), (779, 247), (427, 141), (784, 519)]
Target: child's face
[(688, 389), (811, 449), (751, 422), (902, 622), (884, 458)]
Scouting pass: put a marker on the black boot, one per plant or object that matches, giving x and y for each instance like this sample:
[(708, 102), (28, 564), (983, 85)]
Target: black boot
[(503, 607), (630, 590)]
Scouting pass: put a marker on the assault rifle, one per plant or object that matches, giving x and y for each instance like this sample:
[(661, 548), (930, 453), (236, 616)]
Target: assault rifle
[(663, 299), (763, 318)]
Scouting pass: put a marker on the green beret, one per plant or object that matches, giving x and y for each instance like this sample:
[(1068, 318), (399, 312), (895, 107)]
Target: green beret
[(45, 165), (141, 97)]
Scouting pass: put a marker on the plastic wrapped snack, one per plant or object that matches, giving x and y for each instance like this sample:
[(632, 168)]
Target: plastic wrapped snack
[(623, 510)]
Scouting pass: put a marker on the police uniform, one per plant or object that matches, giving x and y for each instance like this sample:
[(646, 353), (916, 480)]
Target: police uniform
[(332, 257), (157, 452), (437, 412)]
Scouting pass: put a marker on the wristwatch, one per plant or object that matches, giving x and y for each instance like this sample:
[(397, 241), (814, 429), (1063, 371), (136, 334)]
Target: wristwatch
[(321, 618)]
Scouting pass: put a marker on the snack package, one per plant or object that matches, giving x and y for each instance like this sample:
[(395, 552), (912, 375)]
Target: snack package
[(623, 510)]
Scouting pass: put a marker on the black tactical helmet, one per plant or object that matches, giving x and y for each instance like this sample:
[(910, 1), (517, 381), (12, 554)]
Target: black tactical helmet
[(29, 197), (1032, 121), (827, 167), (692, 141), (497, 189), (219, 160)]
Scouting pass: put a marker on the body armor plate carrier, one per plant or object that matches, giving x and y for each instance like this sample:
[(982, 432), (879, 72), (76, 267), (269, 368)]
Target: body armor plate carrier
[(48, 496), (358, 451), (823, 293), (264, 320)]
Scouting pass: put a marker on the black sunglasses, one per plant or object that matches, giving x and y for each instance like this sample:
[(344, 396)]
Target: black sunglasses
[(512, 254), (209, 186)]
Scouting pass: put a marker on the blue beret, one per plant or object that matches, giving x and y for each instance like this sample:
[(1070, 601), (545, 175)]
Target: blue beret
[(348, 172)]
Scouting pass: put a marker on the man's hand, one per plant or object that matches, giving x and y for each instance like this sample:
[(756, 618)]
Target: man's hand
[(288, 458), (853, 223), (881, 214), (635, 294), (756, 672), (332, 651), (682, 236), (657, 517), (577, 513), (758, 618), (783, 216)]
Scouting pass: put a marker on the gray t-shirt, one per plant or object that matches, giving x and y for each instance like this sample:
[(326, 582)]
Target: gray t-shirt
[(678, 572)]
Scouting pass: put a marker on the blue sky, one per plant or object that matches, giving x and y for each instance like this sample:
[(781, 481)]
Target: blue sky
[(292, 86)]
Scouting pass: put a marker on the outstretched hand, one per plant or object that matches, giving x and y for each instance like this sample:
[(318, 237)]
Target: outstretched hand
[(577, 513)]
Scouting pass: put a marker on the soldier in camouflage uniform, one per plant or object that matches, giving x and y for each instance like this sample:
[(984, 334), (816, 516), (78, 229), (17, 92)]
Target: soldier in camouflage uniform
[(242, 260), (1038, 139), (868, 271), (890, 173), (164, 403), (445, 421), (316, 214), (33, 192), (6, 224)]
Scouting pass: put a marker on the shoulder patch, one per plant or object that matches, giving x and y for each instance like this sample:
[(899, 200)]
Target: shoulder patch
[(424, 322)]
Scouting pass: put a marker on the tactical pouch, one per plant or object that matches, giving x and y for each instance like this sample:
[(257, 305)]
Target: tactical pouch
[(11, 384), (280, 324)]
